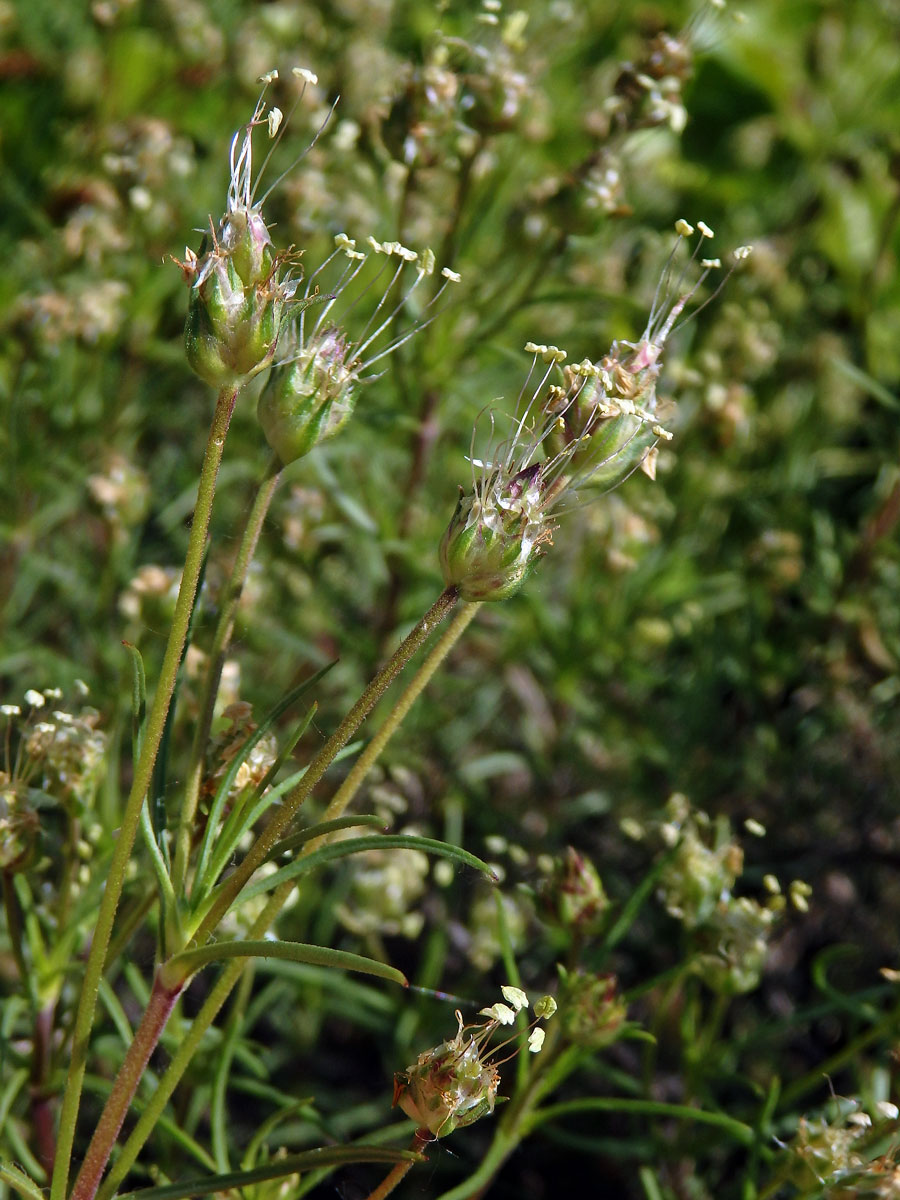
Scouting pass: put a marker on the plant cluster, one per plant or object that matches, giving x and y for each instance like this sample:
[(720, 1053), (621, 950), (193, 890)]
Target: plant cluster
[(299, 758)]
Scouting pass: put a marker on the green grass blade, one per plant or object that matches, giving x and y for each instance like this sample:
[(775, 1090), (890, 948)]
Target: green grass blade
[(308, 1160), (138, 699), (390, 841), (321, 956)]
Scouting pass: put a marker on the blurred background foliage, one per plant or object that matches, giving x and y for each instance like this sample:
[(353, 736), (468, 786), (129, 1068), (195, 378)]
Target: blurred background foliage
[(730, 631)]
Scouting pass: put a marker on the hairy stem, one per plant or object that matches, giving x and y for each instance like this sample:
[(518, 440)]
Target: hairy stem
[(221, 642), (146, 1037), (421, 1138), (363, 765), (143, 773)]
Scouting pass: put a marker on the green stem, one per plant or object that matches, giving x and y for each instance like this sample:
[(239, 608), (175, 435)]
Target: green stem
[(221, 642), (648, 1108), (146, 1037), (499, 1150), (232, 972), (143, 773), (232, 886), (366, 761)]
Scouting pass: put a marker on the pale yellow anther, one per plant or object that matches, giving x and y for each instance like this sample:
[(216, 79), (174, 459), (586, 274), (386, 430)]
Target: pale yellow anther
[(683, 228), (274, 118), (269, 77), (704, 230), (426, 262), (514, 29), (743, 252), (304, 74), (501, 1013), (710, 264), (514, 996), (453, 276)]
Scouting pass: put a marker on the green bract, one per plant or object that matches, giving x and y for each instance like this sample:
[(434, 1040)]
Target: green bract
[(495, 536), (237, 303), (310, 398)]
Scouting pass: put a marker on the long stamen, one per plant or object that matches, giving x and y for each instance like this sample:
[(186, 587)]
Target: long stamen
[(300, 157)]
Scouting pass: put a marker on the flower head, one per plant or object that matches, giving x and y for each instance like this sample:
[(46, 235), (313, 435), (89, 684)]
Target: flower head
[(239, 291), (595, 429), (312, 390), (456, 1083)]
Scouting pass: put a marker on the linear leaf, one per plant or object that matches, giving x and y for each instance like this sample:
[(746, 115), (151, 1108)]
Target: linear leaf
[(20, 1181), (320, 956), (218, 804), (308, 1160), (389, 841)]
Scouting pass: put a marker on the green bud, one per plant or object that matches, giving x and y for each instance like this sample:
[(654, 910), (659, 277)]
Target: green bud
[(232, 328), (245, 237), (310, 398), (593, 1013), (574, 894), (495, 536)]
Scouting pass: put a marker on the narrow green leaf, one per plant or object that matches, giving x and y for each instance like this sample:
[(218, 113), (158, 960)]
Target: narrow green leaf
[(138, 699), (156, 795), (271, 1123), (221, 796), (866, 383), (19, 1180), (649, 1108), (172, 1128), (308, 1160), (389, 841), (321, 956), (296, 840)]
